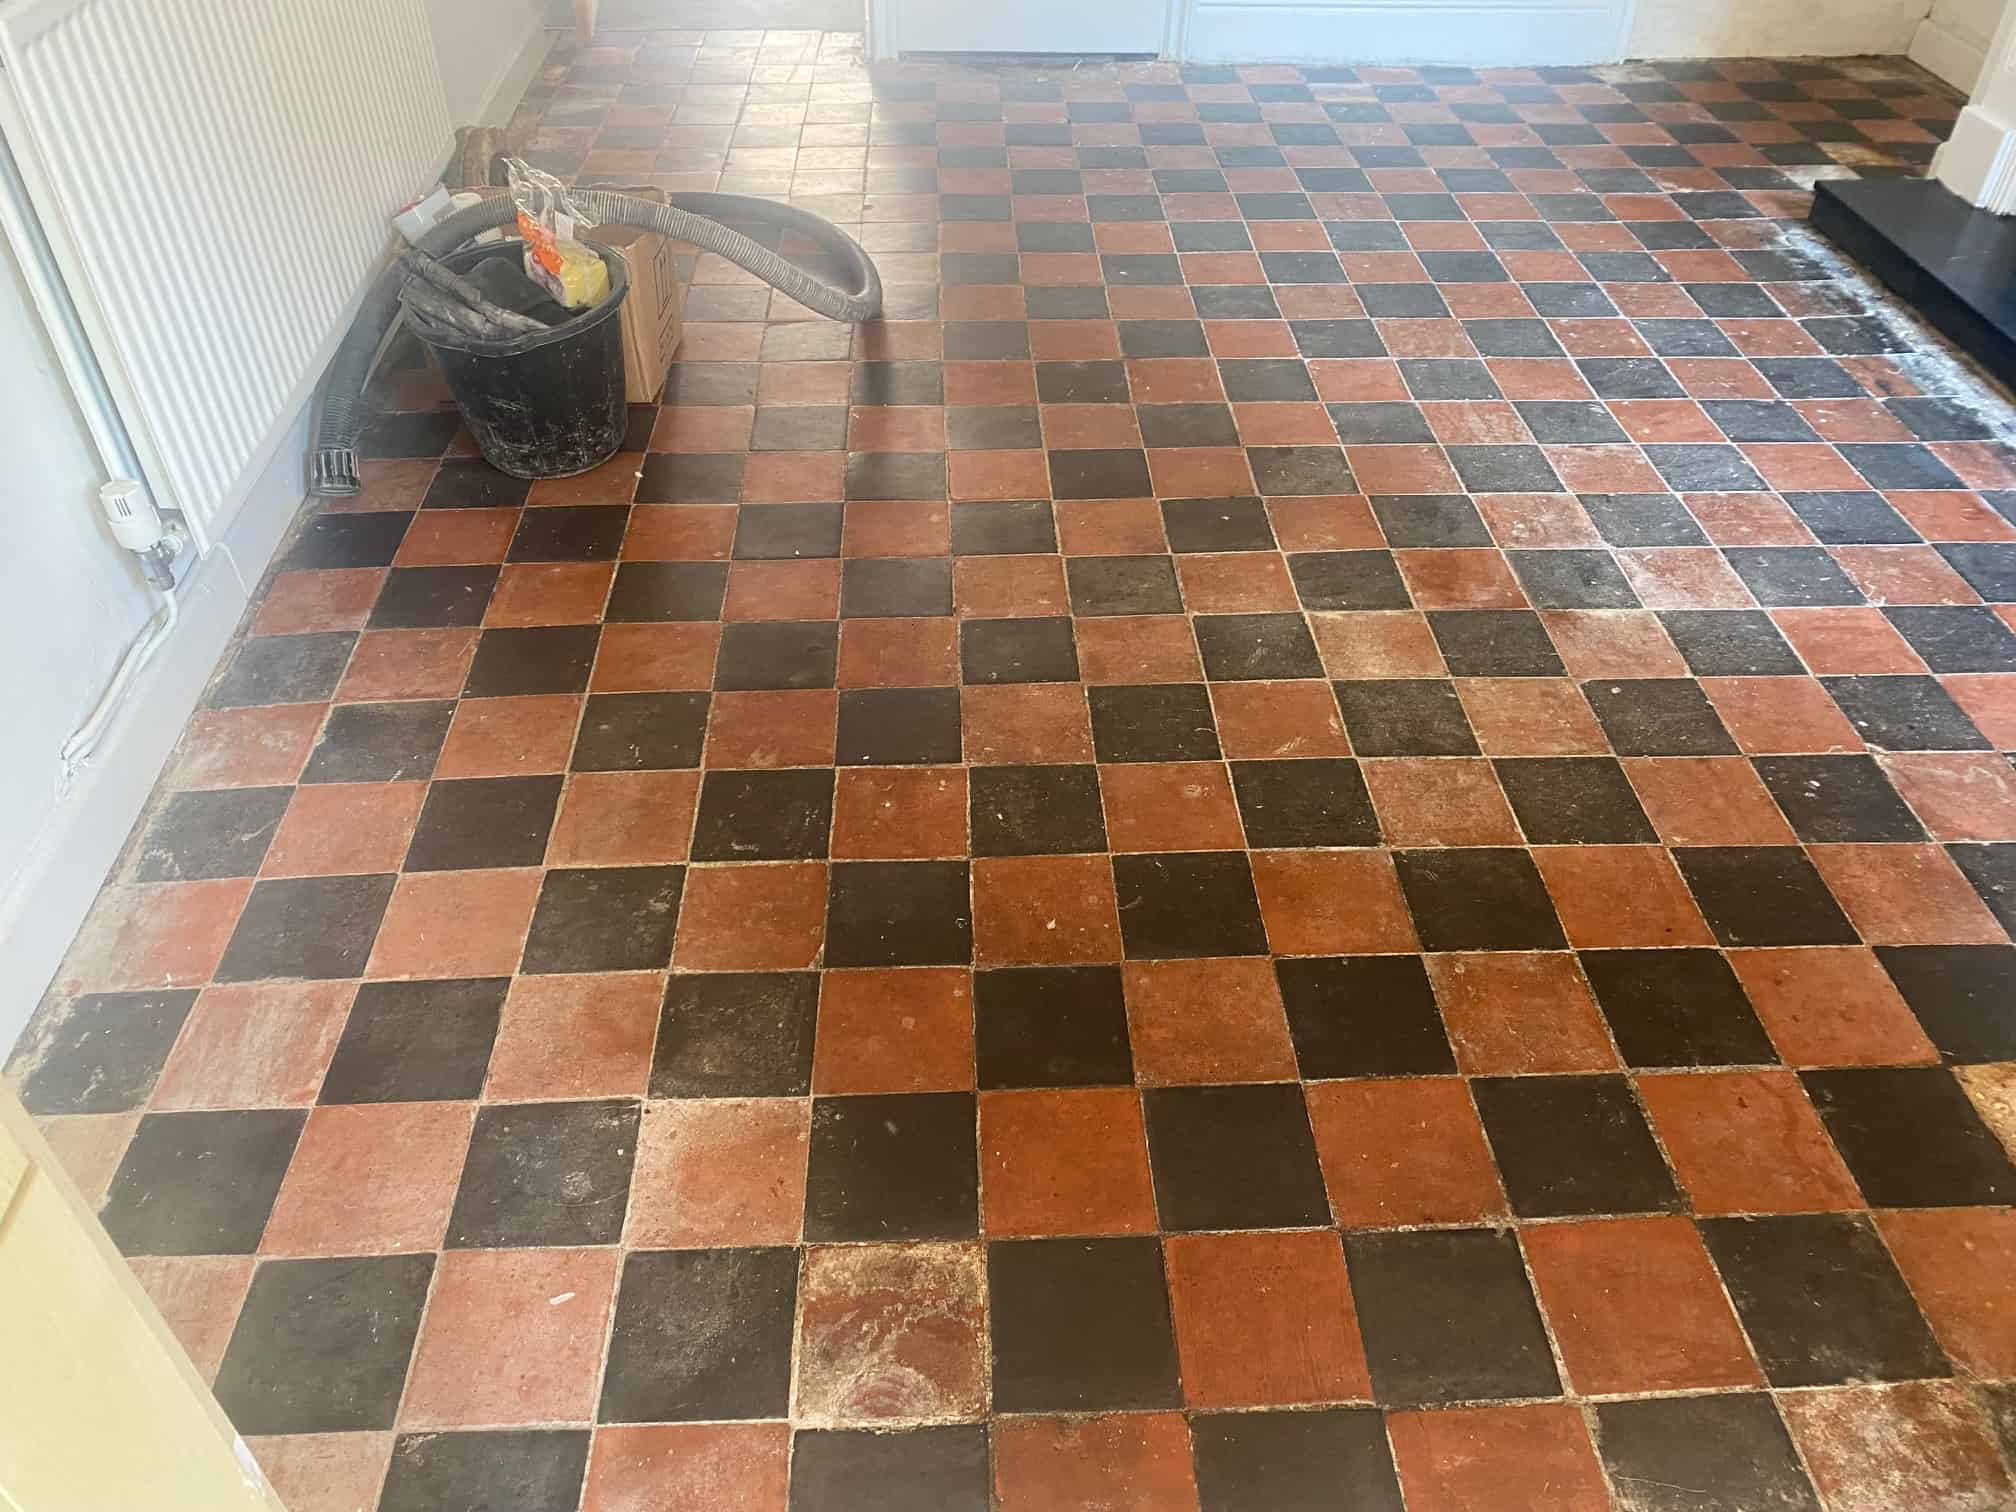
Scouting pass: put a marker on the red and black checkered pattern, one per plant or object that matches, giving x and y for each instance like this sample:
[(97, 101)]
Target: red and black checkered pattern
[(1332, 829)]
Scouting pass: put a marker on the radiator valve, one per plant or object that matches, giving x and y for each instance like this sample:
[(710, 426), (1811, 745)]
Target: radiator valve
[(137, 525)]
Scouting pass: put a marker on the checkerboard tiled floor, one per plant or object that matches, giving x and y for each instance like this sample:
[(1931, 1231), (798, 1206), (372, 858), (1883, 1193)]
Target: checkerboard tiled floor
[(990, 879)]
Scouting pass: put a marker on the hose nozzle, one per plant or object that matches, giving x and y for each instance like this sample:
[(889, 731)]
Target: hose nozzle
[(333, 473)]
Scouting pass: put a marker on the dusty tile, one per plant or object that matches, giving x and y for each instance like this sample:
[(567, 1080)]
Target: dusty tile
[(345, 827), (1041, 910), (1831, 1006), (719, 1171), (1483, 1459), (255, 1045), (325, 1472), (575, 1037), (899, 813), (891, 1334), (455, 924), (623, 818), (1871, 1448), (199, 1297)]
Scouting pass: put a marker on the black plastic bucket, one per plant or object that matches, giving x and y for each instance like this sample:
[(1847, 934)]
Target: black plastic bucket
[(548, 404)]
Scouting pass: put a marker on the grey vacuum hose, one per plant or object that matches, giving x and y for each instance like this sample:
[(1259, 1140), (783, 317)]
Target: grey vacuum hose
[(688, 218)]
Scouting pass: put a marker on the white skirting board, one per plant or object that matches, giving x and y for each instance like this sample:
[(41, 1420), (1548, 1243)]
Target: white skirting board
[(60, 875)]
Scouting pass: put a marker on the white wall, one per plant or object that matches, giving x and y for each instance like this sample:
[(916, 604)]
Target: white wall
[(68, 585), (1954, 39), (488, 50), (1773, 28)]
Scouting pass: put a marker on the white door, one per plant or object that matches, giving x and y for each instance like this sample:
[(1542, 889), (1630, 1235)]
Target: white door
[(1018, 26), (1506, 33)]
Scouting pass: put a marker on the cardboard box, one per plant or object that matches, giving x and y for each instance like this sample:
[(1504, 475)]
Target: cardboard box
[(651, 323), (651, 314)]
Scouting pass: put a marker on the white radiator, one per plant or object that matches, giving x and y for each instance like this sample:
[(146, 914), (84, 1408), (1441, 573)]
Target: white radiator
[(216, 178)]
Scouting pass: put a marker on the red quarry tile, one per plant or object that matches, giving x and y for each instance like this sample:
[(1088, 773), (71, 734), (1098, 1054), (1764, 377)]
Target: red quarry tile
[(1959, 795), (455, 924), (1236, 582), (1534, 1458), (903, 527), (1616, 896), (1170, 806), (1956, 1261), (510, 737), (680, 532), (170, 934), (1007, 587), (325, 1472), (1265, 1319), (1707, 800), (655, 658), (1747, 1142), (1831, 1006), (298, 602), (1918, 1443), (1537, 521), (1064, 1161), (1636, 1305), (1259, 720), (1402, 469), (1384, 643), (89, 1148), (1512, 1013), (370, 1179), (1342, 902), (1989, 699), (550, 593), (1769, 716), (1949, 515), (757, 917), (1207, 1021), (345, 828), (780, 728), (898, 653), (623, 818), (457, 537), (1747, 519), (1109, 527), (1012, 723), (1133, 649), (614, 482), (1904, 575), (1466, 579), (511, 1336), (198, 1297), (1846, 641), (1530, 716), (719, 1171), (1044, 910), (690, 1467), (256, 1045), (891, 1334), (1596, 643), (783, 591), (1140, 1461), (261, 747), (1684, 577), (899, 813), (894, 1031), (1905, 895), (1439, 801), (1402, 1152), (575, 1036)]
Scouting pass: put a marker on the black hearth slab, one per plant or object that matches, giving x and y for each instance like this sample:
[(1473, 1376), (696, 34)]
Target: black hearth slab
[(1954, 264)]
